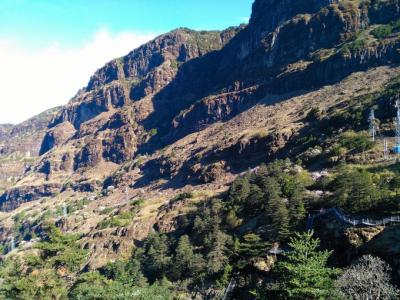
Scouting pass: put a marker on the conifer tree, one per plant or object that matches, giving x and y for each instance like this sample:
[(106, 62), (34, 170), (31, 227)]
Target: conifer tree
[(303, 273), (217, 257), (297, 211), (186, 262), (156, 257)]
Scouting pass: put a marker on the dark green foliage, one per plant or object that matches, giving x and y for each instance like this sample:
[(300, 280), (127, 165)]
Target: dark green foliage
[(43, 284), (61, 250), (156, 257), (303, 273), (94, 286), (354, 191), (359, 42), (297, 211), (204, 255), (126, 272), (186, 264), (386, 30), (239, 192), (359, 142), (250, 249), (37, 277), (217, 256), (382, 31), (278, 218), (277, 192), (352, 118)]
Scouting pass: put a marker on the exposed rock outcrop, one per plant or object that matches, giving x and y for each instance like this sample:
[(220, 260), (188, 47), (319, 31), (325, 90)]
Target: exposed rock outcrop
[(170, 90)]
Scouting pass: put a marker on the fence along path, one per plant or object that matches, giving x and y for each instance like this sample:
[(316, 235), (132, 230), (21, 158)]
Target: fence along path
[(310, 222), (349, 221)]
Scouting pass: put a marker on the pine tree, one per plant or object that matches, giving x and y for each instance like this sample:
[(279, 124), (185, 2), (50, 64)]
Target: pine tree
[(239, 192), (297, 211), (255, 200), (355, 191), (186, 262), (271, 188), (156, 257), (280, 220), (251, 249), (303, 273), (217, 257), (278, 215)]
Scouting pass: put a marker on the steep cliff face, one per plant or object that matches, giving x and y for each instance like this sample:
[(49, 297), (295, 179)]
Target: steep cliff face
[(185, 82), (142, 72), (188, 112), (19, 146)]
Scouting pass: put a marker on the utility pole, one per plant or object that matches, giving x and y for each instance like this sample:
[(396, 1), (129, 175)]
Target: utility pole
[(372, 128), (385, 149), (397, 139)]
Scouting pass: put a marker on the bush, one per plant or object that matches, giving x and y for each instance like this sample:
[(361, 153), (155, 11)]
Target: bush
[(358, 142), (122, 219), (368, 278), (355, 191), (382, 31), (61, 250)]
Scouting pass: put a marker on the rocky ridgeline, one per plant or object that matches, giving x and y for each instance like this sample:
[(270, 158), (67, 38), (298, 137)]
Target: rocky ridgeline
[(19, 146), (185, 81)]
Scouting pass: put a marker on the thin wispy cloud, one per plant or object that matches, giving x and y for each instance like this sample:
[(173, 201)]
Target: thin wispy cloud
[(32, 81)]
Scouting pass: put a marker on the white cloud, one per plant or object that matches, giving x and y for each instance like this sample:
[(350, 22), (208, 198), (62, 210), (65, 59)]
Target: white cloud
[(32, 81)]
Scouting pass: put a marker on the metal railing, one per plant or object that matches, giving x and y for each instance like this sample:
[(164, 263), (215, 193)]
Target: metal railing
[(349, 221)]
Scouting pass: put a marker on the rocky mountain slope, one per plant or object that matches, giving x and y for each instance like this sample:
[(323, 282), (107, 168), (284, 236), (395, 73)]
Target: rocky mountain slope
[(20, 145), (190, 111), (185, 81)]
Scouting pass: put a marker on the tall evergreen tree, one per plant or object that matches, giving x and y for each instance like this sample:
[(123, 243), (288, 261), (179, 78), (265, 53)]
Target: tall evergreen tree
[(250, 249), (255, 201), (277, 212), (355, 191), (239, 192), (156, 258), (186, 262), (297, 211), (217, 257), (303, 273)]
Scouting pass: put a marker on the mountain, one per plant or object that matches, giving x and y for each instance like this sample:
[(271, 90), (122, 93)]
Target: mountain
[(180, 120), (185, 82), (20, 145)]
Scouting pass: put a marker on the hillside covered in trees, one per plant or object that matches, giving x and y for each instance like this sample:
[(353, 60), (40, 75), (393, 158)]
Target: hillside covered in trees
[(221, 165)]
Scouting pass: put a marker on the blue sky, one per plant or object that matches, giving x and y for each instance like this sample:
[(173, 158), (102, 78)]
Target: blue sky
[(38, 22), (50, 48)]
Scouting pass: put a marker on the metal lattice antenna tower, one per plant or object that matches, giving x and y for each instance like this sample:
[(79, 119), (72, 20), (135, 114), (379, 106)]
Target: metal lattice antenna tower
[(372, 128), (385, 149), (398, 124)]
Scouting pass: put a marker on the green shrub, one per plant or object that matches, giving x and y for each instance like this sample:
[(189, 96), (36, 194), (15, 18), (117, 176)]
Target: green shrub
[(183, 196), (382, 31), (120, 220), (61, 250), (358, 142)]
